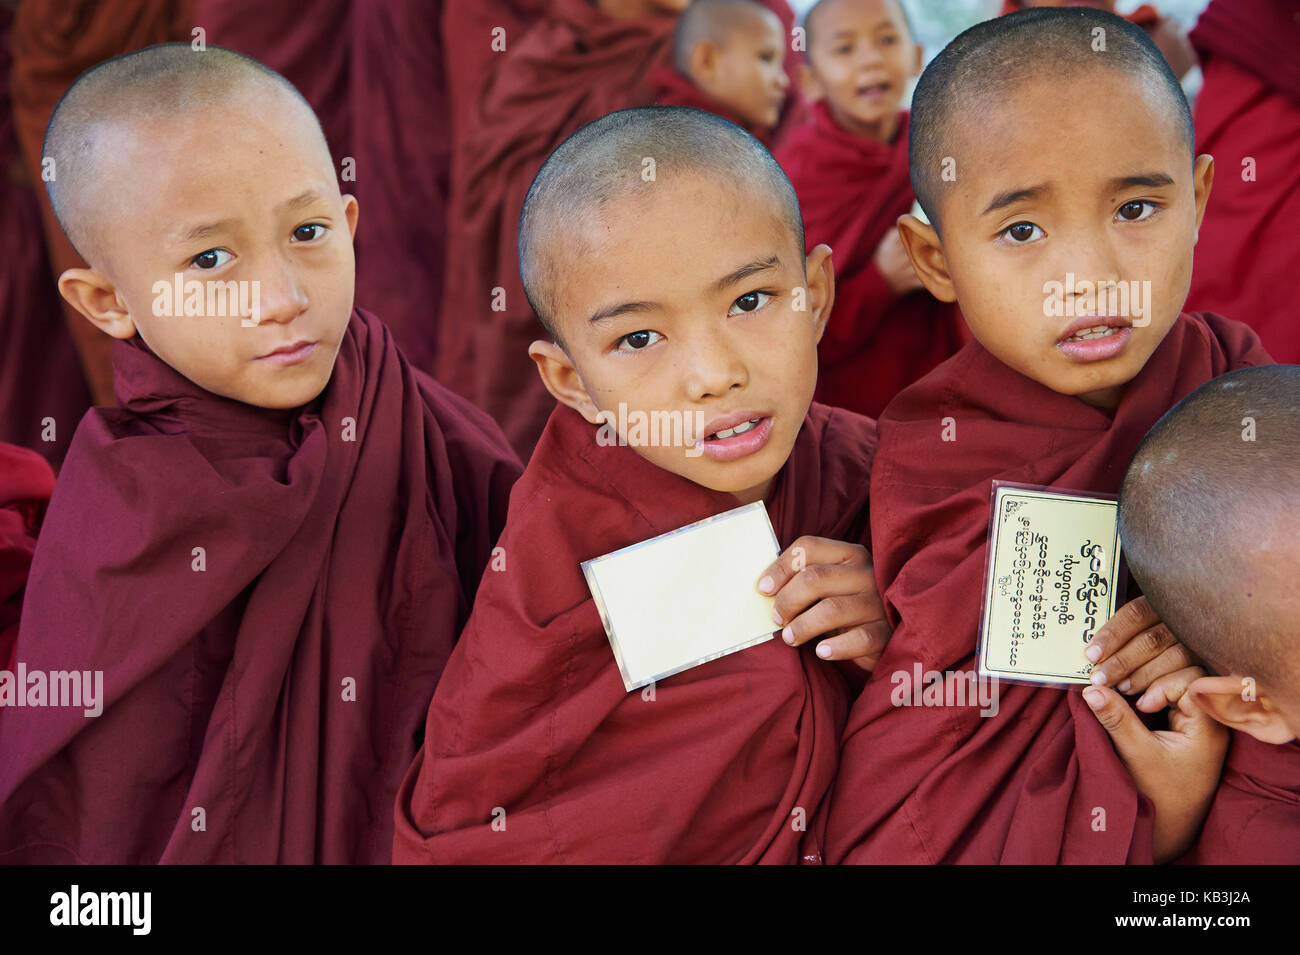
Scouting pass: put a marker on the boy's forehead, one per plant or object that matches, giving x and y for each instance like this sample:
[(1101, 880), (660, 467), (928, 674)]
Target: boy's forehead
[(1077, 129), (832, 16)]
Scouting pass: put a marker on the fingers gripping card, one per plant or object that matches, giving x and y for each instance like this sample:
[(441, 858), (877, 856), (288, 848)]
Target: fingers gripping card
[(1049, 584), (686, 597)]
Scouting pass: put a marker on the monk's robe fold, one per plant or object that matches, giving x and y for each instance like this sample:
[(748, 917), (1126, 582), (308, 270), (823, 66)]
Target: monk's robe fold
[(54, 42), (571, 67), (26, 483), (851, 191), (532, 716), (1248, 118), (932, 784), (402, 144), (271, 596), (1255, 816), (1146, 16), (40, 375)]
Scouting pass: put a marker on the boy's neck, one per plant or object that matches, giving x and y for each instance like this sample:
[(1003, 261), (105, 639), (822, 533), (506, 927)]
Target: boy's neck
[(883, 130), (1107, 399), (760, 493)]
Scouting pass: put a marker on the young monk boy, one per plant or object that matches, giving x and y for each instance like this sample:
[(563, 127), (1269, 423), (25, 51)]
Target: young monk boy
[(849, 168), (687, 294), (728, 58), (1208, 513), (264, 552), (1056, 389)]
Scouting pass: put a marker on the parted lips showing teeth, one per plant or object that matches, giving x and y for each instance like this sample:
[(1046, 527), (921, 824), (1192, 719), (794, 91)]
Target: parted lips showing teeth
[(1096, 331), (731, 432)]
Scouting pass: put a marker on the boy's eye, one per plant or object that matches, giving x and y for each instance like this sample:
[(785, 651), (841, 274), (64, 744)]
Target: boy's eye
[(210, 259), (638, 340), (1022, 232), (306, 233), (749, 302), (1134, 211)]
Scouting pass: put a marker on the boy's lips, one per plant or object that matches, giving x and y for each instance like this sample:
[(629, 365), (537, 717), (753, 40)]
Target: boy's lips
[(290, 354), (1095, 338), (873, 91), (736, 435)]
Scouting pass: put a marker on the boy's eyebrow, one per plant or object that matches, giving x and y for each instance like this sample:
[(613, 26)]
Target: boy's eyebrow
[(613, 311), (1152, 180), (1004, 199), (205, 229), (745, 271)]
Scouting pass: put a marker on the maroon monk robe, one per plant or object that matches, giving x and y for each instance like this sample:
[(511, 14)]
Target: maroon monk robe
[(532, 715), (851, 191), (1255, 816), (402, 146), (1249, 109), (271, 597), (26, 483), (941, 783), (40, 376), (54, 41), (569, 68)]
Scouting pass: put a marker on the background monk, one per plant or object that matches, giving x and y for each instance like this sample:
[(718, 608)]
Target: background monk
[(689, 294), (1208, 513), (269, 546), (1248, 118), (1038, 397), (40, 375), (729, 58), (849, 167), (26, 483), (54, 41)]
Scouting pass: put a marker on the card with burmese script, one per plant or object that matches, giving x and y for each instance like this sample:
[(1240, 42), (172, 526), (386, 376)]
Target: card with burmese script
[(1049, 584), (686, 597)]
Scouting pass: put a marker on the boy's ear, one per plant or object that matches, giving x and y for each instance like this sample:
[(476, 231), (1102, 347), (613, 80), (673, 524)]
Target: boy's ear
[(809, 84), (925, 252), (821, 286), (918, 58), (351, 210), (1202, 180), (561, 379), (703, 63), (95, 296), (1237, 704)]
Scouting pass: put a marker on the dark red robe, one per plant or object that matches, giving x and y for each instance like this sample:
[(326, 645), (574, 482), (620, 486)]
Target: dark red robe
[(532, 715), (54, 42), (40, 375), (851, 191), (277, 679), (927, 784), (1249, 109), (1255, 816), (26, 483), (568, 68)]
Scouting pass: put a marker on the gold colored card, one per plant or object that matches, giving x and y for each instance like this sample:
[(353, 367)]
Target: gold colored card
[(1052, 570), (686, 597)]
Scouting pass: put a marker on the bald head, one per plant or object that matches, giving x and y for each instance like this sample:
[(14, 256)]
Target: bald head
[(997, 57), (127, 92), (608, 160), (712, 21), (812, 20), (1209, 512)]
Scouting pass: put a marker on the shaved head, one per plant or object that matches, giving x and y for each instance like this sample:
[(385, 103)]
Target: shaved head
[(810, 20), (609, 160), (711, 21), (125, 93), (1209, 512), (999, 56)]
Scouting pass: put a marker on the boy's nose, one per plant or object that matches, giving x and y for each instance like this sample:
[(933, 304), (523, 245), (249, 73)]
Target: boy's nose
[(279, 296), (712, 370), (1094, 258)]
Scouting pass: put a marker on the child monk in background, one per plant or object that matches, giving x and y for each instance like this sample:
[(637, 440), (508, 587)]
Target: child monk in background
[(728, 58), (26, 483), (849, 168), (1056, 389), (1248, 118), (1208, 514), (268, 547), (688, 294)]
